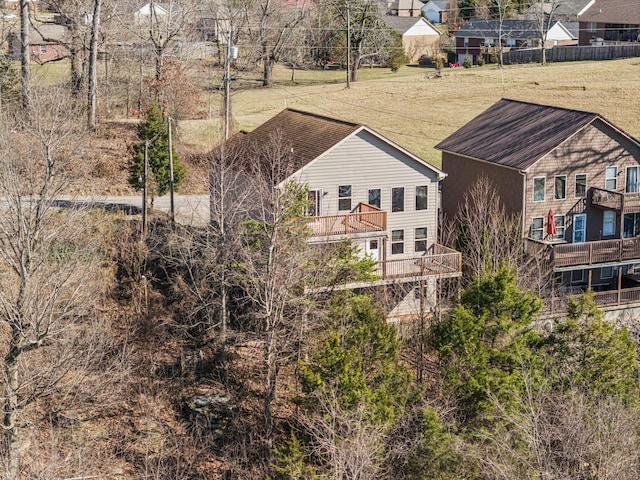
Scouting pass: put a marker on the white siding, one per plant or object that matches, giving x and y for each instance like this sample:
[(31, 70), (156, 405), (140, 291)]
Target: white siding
[(365, 162)]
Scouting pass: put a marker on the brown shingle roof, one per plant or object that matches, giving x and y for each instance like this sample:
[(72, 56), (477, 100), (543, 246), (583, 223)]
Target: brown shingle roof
[(612, 11), (515, 134), (309, 135)]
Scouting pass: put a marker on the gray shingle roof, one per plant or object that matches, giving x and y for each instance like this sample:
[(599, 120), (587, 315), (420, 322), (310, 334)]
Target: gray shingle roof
[(515, 29), (516, 134), (401, 24)]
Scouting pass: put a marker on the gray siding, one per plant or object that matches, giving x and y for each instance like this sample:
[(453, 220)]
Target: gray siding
[(365, 162)]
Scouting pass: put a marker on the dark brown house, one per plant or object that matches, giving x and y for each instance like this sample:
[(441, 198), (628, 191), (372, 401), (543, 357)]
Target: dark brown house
[(609, 21), (564, 171)]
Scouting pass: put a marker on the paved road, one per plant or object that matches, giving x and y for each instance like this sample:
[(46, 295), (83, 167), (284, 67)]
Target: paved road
[(189, 209)]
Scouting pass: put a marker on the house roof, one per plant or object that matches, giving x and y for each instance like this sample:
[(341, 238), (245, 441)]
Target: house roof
[(516, 134), (569, 8), (403, 24), (310, 135), (481, 28), (612, 11), (48, 34), (441, 4)]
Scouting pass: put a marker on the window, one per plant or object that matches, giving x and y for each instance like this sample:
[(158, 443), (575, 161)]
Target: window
[(560, 189), (591, 27), (510, 43), (421, 197), (577, 276), (397, 199), (421, 239), (344, 197), (559, 220), (538, 189), (581, 185), (397, 241), (43, 49), (606, 272), (631, 225), (537, 228), (314, 207), (611, 178), (608, 222), (466, 41), (374, 197), (633, 180)]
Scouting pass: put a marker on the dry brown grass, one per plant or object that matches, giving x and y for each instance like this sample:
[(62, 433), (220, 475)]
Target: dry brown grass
[(417, 112)]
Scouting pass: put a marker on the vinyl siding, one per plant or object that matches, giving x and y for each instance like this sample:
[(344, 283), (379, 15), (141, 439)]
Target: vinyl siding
[(365, 162)]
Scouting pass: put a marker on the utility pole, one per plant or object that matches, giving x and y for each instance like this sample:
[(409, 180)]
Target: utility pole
[(232, 53), (348, 45), (173, 213)]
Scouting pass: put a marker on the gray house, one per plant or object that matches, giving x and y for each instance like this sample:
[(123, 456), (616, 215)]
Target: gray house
[(364, 187)]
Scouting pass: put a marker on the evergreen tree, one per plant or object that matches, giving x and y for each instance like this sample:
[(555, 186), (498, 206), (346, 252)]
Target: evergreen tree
[(485, 339), (154, 129)]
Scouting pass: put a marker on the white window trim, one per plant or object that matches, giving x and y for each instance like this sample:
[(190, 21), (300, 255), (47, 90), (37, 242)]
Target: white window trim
[(575, 184), (559, 236), (602, 275), (544, 191), (554, 187), (613, 222), (615, 179), (541, 229)]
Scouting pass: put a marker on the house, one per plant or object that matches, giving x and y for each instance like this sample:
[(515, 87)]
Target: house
[(366, 188), (47, 43), (419, 37), (609, 21), (436, 11), (572, 177), (142, 15), (479, 37), (405, 8)]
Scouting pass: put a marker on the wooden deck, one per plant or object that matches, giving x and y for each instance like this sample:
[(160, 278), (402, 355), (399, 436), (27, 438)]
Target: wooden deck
[(586, 253), (607, 298), (610, 200), (364, 219)]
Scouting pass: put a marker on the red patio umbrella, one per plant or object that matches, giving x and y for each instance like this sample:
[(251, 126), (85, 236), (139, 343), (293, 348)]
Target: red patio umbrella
[(551, 224)]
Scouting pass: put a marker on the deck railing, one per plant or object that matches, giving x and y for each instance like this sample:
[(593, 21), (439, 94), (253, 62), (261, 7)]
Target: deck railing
[(586, 253), (438, 260), (607, 298), (364, 219), (625, 202)]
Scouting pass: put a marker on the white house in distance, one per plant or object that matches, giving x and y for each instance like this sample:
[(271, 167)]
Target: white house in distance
[(366, 188), (419, 37), (143, 13), (436, 11)]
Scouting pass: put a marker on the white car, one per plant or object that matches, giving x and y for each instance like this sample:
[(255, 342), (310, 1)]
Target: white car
[(8, 15)]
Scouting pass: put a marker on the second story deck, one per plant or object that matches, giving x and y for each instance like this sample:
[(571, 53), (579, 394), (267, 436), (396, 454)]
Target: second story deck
[(365, 219), (564, 256), (610, 200)]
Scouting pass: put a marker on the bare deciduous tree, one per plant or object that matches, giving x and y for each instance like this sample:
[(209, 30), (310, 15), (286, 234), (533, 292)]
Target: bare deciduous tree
[(51, 274)]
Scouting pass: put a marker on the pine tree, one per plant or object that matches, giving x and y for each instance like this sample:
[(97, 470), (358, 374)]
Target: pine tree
[(154, 130)]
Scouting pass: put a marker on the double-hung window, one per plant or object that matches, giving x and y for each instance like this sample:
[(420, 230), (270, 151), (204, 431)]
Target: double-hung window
[(397, 241), (537, 228), (559, 220), (420, 239), (581, 185), (397, 199), (611, 178), (538, 189), (608, 222), (560, 187), (344, 197), (421, 197)]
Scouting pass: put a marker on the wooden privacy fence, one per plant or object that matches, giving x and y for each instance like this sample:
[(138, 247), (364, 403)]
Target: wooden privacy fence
[(572, 53)]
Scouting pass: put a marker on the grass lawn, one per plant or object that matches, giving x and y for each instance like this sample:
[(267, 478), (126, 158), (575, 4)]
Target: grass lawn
[(417, 111)]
